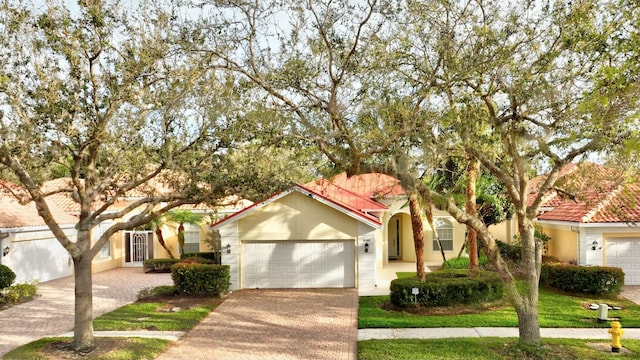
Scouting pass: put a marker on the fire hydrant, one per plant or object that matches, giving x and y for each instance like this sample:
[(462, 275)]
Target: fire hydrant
[(616, 333)]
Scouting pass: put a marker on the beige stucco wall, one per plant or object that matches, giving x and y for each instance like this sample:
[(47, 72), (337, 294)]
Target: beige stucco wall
[(297, 217), (115, 260), (563, 244), (407, 249)]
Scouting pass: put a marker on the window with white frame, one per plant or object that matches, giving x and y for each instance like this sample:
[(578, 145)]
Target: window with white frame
[(191, 238), (444, 228)]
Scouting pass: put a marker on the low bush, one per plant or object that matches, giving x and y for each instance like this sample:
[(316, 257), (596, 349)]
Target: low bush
[(597, 280), (447, 287), (7, 276), (463, 262), (214, 256), (201, 279), (159, 265), (158, 291), (512, 252), (18, 292)]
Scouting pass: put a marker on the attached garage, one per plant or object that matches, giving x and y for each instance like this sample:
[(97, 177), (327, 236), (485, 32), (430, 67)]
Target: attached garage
[(299, 239), (625, 254), (298, 264)]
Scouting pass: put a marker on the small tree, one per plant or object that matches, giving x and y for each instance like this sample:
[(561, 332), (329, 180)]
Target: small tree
[(182, 217), (157, 225)]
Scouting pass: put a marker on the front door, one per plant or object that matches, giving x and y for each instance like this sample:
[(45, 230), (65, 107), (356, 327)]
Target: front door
[(138, 247)]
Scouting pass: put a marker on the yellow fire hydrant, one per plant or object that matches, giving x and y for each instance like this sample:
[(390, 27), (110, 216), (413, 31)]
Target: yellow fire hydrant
[(616, 333)]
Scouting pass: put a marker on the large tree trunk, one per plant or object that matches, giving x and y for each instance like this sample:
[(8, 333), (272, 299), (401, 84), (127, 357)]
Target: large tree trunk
[(83, 326), (523, 298), (470, 207), (418, 235)]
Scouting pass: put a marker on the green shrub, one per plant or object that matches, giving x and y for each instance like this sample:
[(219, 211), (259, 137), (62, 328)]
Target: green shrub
[(511, 252), (597, 280), (214, 256), (159, 265), (7, 276), (18, 292), (201, 279), (447, 287), (463, 262), (158, 291)]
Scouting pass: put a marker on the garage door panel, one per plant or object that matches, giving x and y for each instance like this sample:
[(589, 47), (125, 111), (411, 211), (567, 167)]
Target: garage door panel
[(624, 253), (288, 264)]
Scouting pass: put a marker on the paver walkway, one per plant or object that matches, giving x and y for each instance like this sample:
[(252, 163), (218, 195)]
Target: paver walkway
[(52, 313), (275, 324)]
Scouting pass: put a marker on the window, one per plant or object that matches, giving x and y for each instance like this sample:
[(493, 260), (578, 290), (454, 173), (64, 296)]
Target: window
[(191, 238), (445, 233), (105, 252)]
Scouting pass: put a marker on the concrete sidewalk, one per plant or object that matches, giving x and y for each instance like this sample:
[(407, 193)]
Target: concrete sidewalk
[(444, 333)]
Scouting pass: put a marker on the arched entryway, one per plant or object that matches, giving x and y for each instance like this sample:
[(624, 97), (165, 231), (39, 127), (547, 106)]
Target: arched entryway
[(398, 228)]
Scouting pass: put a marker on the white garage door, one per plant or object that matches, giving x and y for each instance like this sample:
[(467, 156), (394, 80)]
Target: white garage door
[(625, 254), (298, 264)]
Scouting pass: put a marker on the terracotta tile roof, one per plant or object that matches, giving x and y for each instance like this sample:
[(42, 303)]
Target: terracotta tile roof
[(590, 193), (13, 214), (343, 196), (369, 185)]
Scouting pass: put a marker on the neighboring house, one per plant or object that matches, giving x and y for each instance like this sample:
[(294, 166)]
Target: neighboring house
[(592, 217), (27, 246), (328, 233)]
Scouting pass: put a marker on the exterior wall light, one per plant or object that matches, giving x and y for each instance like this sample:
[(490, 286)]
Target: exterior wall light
[(5, 251), (228, 248), (366, 244)]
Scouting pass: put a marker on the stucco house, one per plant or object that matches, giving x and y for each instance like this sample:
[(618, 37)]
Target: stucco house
[(337, 232), (592, 217), (29, 248)]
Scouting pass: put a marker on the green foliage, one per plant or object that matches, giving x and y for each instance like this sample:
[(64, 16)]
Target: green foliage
[(444, 288), (201, 279), (508, 251), (597, 280), (463, 262), (18, 292), (7, 276), (159, 265), (212, 256)]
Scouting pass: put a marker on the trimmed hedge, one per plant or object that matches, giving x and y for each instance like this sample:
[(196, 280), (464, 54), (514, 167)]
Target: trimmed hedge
[(159, 265), (201, 279), (7, 276), (214, 256), (447, 287), (597, 280)]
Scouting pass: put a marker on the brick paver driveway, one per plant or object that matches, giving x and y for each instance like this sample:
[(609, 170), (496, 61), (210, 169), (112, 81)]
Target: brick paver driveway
[(275, 324)]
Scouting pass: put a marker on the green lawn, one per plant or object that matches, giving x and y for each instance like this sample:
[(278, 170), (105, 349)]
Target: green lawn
[(486, 348), (130, 349), (136, 316), (555, 310), (143, 316)]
